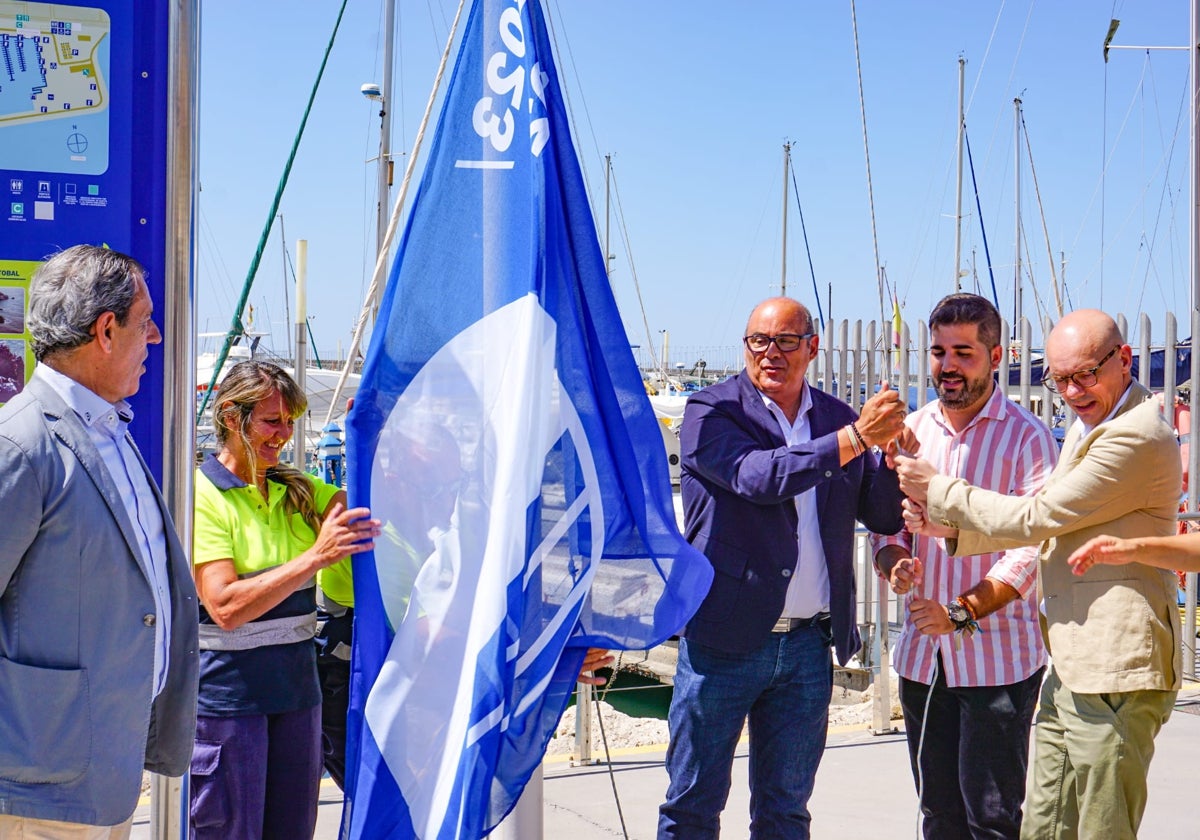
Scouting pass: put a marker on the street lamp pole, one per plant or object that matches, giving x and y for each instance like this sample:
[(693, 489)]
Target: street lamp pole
[(383, 95)]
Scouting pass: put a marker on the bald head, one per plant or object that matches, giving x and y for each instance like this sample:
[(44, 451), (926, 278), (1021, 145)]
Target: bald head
[(784, 308), (1088, 329), (1088, 341), (777, 373)]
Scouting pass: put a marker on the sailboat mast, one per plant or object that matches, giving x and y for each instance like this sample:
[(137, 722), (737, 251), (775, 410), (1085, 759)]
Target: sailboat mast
[(787, 148), (287, 297), (1017, 308), (301, 365), (958, 215), (383, 208), (607, 214)]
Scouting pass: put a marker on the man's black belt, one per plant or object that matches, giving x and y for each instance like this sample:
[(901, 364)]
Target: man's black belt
[(787, 625)]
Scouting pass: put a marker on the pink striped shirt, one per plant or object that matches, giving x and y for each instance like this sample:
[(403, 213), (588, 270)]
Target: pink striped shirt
[(1007, 449)]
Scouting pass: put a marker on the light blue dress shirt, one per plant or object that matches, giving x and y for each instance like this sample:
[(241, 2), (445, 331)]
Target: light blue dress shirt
[(107, 425)]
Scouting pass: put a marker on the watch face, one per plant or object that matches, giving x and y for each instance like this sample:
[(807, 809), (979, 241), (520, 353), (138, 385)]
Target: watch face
[(958, 613)]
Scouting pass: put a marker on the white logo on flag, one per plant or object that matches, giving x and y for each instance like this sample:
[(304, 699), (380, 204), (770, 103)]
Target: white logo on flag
[(469, 447)]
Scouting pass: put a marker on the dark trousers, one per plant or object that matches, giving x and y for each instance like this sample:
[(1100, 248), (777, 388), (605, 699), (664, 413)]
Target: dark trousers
[(334, 675), (256, 777), (971, 776), (333, 642)]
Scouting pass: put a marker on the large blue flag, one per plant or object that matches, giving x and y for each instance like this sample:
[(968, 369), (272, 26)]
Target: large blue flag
[(502, 433)]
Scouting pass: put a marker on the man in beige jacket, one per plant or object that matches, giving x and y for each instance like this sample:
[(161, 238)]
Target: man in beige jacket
[(1113, 633)]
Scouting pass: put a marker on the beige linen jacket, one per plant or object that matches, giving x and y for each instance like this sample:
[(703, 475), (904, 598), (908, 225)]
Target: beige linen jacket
[(1116, 628)]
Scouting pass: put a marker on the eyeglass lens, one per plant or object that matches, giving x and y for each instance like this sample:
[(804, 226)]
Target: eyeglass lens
[(786, 342)]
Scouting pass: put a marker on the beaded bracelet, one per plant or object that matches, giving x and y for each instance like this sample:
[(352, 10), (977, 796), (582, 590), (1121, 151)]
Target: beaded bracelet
[(965, 604), (854, 444), (862, 443)]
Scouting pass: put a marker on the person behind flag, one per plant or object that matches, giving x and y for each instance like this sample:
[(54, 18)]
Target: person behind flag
[(97, 606), (774, 475), (1113, 633), (262, 530), (334, 639), (970, 654), (423, 472)]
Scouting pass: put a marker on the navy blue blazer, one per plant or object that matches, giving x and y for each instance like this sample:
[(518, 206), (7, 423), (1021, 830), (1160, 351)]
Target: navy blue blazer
[(738, 483)]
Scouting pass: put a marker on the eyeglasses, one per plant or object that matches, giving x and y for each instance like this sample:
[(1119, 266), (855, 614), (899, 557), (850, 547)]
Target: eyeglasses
[(786, 342), (1085, 378)]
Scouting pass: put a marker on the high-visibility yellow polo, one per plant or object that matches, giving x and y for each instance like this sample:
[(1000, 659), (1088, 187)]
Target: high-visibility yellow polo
[(266, 666), (337, 582), (236, 523)]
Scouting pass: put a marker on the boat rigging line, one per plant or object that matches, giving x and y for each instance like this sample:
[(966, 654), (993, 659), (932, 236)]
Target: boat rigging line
[(1166, 195), (1042, 214), (807, 250), (1106, 161), (287, 302), (235, 328), (987, 254), (610, 181), (569, 103), (1027, 267), (862, 106), (375, 288), (637, 286)]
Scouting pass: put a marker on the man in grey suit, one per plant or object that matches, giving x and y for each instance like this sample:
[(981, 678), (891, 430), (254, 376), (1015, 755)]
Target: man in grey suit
[(97, 605), (1113, 632)]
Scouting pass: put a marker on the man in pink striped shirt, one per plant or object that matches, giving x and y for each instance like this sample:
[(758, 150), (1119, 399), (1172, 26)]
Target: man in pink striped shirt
[(970, 655)]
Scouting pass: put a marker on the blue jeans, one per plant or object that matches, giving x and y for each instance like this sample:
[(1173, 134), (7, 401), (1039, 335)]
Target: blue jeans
[(784, 687)]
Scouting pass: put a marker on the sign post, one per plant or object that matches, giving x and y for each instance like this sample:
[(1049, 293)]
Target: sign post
[(97, 146)]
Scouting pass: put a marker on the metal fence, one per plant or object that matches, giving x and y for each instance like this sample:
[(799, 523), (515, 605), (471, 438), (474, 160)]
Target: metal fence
[(854, 357)]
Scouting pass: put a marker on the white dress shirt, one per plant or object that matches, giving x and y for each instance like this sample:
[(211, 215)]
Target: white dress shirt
[(808, 590)]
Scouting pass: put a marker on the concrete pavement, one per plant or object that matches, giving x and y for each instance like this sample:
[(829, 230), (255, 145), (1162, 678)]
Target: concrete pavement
[(864, 790)]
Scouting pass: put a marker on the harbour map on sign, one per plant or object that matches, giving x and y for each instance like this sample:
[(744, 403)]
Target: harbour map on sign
[(54, 94)]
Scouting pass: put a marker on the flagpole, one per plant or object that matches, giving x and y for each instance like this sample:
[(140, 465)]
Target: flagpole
[(524, 821)]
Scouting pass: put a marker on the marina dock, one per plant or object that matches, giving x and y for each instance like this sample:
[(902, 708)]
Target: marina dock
[(864, 790)]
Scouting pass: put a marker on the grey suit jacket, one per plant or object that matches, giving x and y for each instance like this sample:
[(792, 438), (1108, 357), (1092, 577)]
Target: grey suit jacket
[(78, 720), (1116, 628)]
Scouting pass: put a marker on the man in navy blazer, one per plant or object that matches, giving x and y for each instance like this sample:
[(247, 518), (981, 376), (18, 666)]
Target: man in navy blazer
[(98, 611), (775, 473)]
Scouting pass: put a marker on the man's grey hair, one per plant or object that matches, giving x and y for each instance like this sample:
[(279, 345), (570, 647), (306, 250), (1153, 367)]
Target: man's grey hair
[(73, 288)]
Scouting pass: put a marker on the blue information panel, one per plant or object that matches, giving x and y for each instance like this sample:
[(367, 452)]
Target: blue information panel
[(83, 147)]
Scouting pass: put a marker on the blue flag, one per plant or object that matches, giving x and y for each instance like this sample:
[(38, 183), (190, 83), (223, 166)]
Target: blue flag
[(502, 433)]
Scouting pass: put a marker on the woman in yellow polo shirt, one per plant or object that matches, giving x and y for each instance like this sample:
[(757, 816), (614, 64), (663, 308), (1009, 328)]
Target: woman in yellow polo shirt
[(262, 531)]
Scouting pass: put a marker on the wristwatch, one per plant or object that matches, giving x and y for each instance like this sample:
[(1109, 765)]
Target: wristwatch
[(959, 616)]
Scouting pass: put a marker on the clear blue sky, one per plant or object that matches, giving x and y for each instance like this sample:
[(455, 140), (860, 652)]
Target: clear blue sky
[(694, 101)]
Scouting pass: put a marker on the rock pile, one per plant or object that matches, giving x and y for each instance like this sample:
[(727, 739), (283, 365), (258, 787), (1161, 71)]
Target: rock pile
[(848, 708)]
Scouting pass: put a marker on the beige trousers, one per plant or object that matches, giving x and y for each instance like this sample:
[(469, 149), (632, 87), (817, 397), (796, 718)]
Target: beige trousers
[(25, 828), (1091, 753)]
